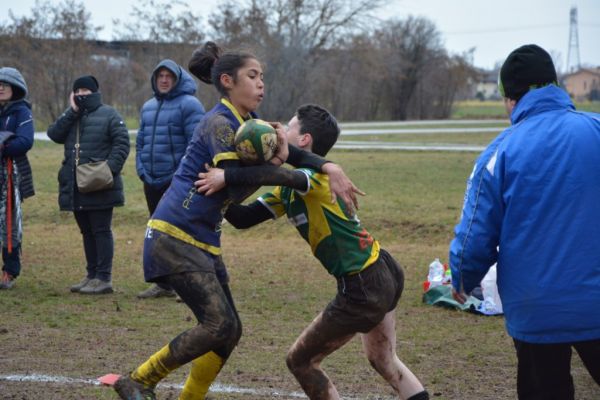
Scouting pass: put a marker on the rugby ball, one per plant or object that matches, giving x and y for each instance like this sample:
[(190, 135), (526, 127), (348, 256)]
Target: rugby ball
[(255, 142)]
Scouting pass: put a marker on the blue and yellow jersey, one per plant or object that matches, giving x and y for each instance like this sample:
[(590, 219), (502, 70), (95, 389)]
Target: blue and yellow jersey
[(183, 212), (340, 243)]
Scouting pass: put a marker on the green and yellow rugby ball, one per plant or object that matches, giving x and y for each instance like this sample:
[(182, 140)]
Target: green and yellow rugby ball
[(255, 142)]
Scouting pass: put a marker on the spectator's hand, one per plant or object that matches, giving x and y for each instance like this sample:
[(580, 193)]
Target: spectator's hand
[(210, 181), (72, 102), (282, 145), (341, 186), (461, 297)]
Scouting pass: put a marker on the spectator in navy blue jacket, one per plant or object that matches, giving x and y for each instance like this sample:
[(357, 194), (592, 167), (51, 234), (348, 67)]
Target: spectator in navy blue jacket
[(16, 182), (167, 122)]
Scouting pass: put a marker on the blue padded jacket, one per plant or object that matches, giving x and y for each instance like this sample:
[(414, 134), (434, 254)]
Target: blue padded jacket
[(167, 123)]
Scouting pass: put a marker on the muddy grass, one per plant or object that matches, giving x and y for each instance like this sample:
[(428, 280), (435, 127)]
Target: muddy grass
[(47, 332)]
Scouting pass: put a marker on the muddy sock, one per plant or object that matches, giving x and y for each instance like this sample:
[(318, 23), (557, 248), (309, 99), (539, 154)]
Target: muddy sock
[(203, 373), (420, 396), (159, 365)]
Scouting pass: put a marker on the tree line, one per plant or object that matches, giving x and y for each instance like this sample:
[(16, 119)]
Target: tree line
[(331, 52)]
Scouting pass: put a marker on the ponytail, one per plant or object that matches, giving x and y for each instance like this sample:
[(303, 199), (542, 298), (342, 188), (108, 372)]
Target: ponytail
[(209, 62)]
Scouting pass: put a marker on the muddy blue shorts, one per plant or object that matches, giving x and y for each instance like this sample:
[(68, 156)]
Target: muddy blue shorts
[(166, 255)]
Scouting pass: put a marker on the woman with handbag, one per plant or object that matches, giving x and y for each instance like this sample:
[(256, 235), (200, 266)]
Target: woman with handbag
[(96, 145)]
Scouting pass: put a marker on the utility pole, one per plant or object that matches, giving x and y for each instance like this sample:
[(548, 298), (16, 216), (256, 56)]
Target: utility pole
[(573, 63)]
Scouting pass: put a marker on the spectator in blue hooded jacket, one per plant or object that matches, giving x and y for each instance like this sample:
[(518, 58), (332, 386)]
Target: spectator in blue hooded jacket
[(16, 181), (167, 122), (532, 206)]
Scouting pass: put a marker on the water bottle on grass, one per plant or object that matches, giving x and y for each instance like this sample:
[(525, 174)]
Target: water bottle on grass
[(436, 273)]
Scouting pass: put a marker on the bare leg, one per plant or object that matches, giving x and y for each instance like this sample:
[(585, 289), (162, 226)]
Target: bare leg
[(380, 346), (304, 358)]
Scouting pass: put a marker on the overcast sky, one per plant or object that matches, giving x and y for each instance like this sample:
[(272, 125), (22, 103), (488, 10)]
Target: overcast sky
[(492, 27)]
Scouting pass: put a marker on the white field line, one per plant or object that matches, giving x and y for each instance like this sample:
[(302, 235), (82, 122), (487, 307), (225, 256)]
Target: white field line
[(358, 145), (416, 131), (373, 145), (215, 388), (427, 122)]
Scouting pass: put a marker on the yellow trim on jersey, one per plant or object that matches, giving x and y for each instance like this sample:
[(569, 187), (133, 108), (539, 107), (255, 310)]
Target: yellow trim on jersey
[(233, 110), (372, 259), (228, 155), (177, 233)]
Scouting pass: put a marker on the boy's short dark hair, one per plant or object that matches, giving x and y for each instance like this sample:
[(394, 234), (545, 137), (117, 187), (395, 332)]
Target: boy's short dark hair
[(322, 126)]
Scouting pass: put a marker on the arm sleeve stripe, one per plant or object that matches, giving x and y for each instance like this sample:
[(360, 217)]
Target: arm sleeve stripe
[(231, 155)]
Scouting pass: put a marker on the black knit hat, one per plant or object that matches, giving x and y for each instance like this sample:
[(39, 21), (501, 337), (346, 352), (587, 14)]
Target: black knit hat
[(86, 82), (527, 67)]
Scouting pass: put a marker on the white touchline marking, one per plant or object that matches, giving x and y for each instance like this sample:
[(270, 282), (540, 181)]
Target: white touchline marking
[(215, 388)]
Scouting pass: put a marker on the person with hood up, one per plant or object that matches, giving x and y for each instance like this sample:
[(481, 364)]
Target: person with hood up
[(167, 122), (99, 133), (16, 180)]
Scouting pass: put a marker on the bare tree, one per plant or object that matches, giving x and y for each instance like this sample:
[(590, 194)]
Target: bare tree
[(51, 47), (170, 26), (290, 37)]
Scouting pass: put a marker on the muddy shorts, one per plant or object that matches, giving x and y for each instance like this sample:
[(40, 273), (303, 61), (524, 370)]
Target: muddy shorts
[(363, 299), (165, 255)]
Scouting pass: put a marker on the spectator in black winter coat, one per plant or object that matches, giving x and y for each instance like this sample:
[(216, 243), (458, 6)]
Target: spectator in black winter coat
[(102, 136), (16, 182)]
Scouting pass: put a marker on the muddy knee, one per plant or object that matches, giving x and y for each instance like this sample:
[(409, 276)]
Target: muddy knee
[(295, 362)]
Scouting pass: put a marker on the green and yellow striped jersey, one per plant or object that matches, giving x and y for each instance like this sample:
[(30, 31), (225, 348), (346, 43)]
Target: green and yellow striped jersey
[(340, 243)]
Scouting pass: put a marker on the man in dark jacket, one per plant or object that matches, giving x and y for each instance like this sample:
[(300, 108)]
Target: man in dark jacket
[(167, 122), (100, 134), (16, 182)]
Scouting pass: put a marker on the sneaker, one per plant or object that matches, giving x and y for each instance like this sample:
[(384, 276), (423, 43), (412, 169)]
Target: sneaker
[(128, 389), (7, 281), (96, 286), (77, 287), (154, 292)]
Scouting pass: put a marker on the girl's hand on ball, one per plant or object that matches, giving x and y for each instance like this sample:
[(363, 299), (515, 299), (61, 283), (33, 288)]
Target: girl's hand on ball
[(210, 181), (282, 143)]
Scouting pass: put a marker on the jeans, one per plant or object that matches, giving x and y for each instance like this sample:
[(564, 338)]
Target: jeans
[(98, 245), (153, 196), (12, 261)]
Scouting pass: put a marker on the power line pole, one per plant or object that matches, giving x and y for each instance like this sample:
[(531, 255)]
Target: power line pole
[(573, 63)]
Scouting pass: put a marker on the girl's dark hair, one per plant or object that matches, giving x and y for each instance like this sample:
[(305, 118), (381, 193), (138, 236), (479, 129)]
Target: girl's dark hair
[(209, 62)]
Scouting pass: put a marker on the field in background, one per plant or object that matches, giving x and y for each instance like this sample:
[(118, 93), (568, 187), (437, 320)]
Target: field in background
[(471, 109), (413, 201), (475, 109)]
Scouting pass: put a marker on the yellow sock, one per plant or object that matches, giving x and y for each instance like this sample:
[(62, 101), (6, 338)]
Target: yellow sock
[(159, 365), (204, 371)]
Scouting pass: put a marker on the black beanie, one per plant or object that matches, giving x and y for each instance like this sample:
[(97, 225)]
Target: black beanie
[(527, 67), (86, 82)]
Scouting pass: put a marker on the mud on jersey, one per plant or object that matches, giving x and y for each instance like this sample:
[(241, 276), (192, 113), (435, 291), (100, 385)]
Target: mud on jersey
[(340, 243), (183, 212)]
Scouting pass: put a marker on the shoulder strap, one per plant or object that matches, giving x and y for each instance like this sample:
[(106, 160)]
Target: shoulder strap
[(77, 145)]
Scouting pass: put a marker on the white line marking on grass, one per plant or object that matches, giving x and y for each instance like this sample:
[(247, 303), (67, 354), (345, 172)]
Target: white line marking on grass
[(215, 388)]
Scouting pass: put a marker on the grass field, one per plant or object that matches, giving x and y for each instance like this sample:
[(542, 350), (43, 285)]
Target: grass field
[(413, 201), (475, 109)]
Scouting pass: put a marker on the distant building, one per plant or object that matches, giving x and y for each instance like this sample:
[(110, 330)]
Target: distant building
[(486, 87), (583, 84)]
